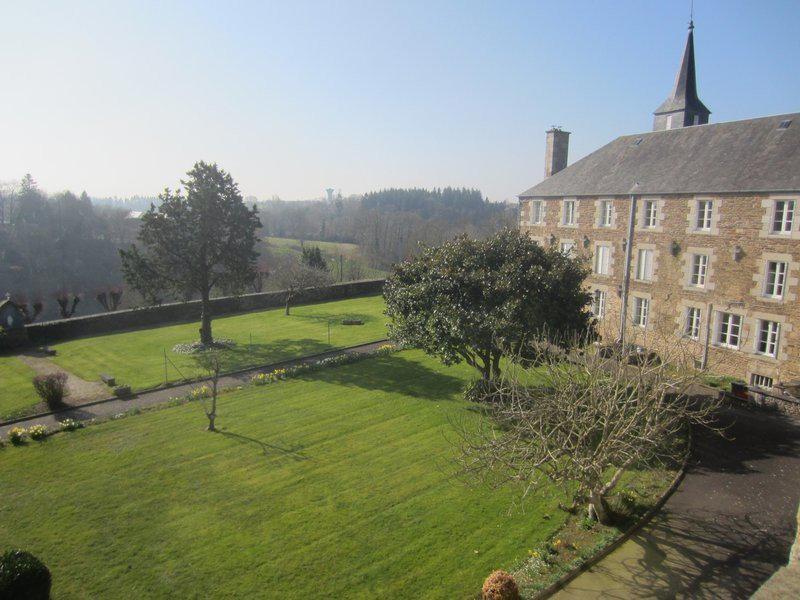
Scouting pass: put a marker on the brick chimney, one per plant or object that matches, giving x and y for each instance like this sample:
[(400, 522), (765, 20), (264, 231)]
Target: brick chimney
[(555, 151)]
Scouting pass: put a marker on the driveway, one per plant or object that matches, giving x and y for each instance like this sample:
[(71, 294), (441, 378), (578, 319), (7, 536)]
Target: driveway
[(727, 528)]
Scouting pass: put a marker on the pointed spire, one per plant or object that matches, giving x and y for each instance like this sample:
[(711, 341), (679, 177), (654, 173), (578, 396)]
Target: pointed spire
[(682, 107)]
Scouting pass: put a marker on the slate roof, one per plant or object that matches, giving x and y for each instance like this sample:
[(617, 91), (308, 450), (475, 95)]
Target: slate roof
[(754, 155), (684, 91)]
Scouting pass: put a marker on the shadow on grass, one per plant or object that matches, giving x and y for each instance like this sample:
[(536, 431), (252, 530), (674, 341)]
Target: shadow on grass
[(246, 355), (268, 449), (393, 374)]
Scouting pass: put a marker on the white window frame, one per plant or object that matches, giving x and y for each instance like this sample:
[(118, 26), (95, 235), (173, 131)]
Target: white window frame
[(606, 212), (729, 330), (602, 259), (775, 282), (699, 272), (769, 333), (641, 311), (568, 208), (705, 215), (599, 303), (649, 214), (567, 248), (761, 381), (784, 217), (692, 321), (537, 210), (644, 264)]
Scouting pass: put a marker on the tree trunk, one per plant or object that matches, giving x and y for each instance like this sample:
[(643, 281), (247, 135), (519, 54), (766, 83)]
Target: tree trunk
[(212, 414), (598, 508), (288, 300), (205, 320)]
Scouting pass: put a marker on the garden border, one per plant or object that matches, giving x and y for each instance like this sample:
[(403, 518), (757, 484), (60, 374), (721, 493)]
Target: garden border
[(562, 581), (158, 388)]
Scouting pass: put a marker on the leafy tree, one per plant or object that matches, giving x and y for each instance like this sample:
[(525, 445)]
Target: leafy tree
[(195, 242), (478, 300), (312, 257)]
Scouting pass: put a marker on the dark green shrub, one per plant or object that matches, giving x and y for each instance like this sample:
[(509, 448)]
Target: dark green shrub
[(23, 577), (51, 388)]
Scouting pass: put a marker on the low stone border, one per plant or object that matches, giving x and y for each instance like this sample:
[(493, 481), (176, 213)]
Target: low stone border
[(181, 382), (562, 581)]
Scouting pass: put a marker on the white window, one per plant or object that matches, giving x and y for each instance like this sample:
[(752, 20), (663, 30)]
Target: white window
[(568, 216), (650, 214), (644, 265), (761, 381), (767, 342), (692, 326), (605, 213), (704, 212), (602, 260), (783, 217), (775, 280), (669, 122), (729, 329), (641, 309), (599, 304), (699, 270), (536, 212), (567, 248)]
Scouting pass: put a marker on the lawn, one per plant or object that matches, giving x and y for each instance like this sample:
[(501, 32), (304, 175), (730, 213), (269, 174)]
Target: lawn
[(339, 484), (16, 391), (136, 358), (353, 264)]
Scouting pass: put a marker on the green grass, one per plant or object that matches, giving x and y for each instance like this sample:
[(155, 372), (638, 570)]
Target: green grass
[(17, 395), (339, 484), (136, 358), (352, 259), (332, 248)]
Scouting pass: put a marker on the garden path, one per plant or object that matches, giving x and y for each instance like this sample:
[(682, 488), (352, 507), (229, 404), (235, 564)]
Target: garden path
[(80, 390), (113, 406), (727, 528)]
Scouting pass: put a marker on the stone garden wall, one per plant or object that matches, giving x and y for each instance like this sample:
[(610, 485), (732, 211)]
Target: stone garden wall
[(178, 312)]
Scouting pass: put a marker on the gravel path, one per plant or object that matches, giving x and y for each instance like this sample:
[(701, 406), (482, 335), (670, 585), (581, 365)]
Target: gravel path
[(112, 406), (727, 528), (80, 390)]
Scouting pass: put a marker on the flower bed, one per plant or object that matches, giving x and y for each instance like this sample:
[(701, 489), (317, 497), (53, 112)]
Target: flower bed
[(323, 363)]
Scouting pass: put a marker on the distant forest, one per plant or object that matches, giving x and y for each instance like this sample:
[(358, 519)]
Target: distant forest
[(56, 247), (390, 224)]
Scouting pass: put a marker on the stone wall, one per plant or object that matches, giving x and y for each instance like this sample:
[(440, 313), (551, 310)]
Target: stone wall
[(180, 312), (734, 281)]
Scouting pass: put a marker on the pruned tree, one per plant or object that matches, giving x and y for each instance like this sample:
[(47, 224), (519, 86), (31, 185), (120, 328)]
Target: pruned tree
[(67, 304), (195, 242), (109, 299), (214, 362), (478, 300), (589, 418), (295, 277)]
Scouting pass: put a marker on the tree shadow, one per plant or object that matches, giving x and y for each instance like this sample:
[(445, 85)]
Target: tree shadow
[(244, 355), (393, 373), (268, 449), (699, 554)]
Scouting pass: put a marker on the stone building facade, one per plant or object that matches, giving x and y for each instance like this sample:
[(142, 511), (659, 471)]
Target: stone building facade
[(715, 256)]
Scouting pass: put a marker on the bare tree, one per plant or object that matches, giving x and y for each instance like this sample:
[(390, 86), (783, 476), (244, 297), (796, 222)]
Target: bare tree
[(214, 363), (295, 277), (588, 418)]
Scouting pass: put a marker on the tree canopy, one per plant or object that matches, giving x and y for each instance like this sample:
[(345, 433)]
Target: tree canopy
[(194, 242), (478, 300)]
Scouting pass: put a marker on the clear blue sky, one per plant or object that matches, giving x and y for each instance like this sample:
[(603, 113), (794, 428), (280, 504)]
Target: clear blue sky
[(120, 98)]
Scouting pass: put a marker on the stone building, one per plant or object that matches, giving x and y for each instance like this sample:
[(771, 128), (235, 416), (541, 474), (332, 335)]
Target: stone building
[(713, 213)]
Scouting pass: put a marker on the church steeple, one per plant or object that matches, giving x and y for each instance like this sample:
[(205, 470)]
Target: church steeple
[(682, 108)]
